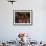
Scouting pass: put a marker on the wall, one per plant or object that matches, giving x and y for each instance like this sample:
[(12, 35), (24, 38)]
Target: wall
[(37, 31)]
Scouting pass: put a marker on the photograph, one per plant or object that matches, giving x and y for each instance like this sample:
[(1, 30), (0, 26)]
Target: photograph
[(22, 16)]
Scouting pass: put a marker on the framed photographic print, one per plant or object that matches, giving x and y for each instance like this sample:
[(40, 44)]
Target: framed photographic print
[(22, 17)]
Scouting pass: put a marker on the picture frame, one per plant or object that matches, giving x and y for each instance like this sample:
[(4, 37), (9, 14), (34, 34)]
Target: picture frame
[(22, 17)]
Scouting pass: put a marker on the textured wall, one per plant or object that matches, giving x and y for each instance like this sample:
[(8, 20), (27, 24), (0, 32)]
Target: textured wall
[(37, 31)]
